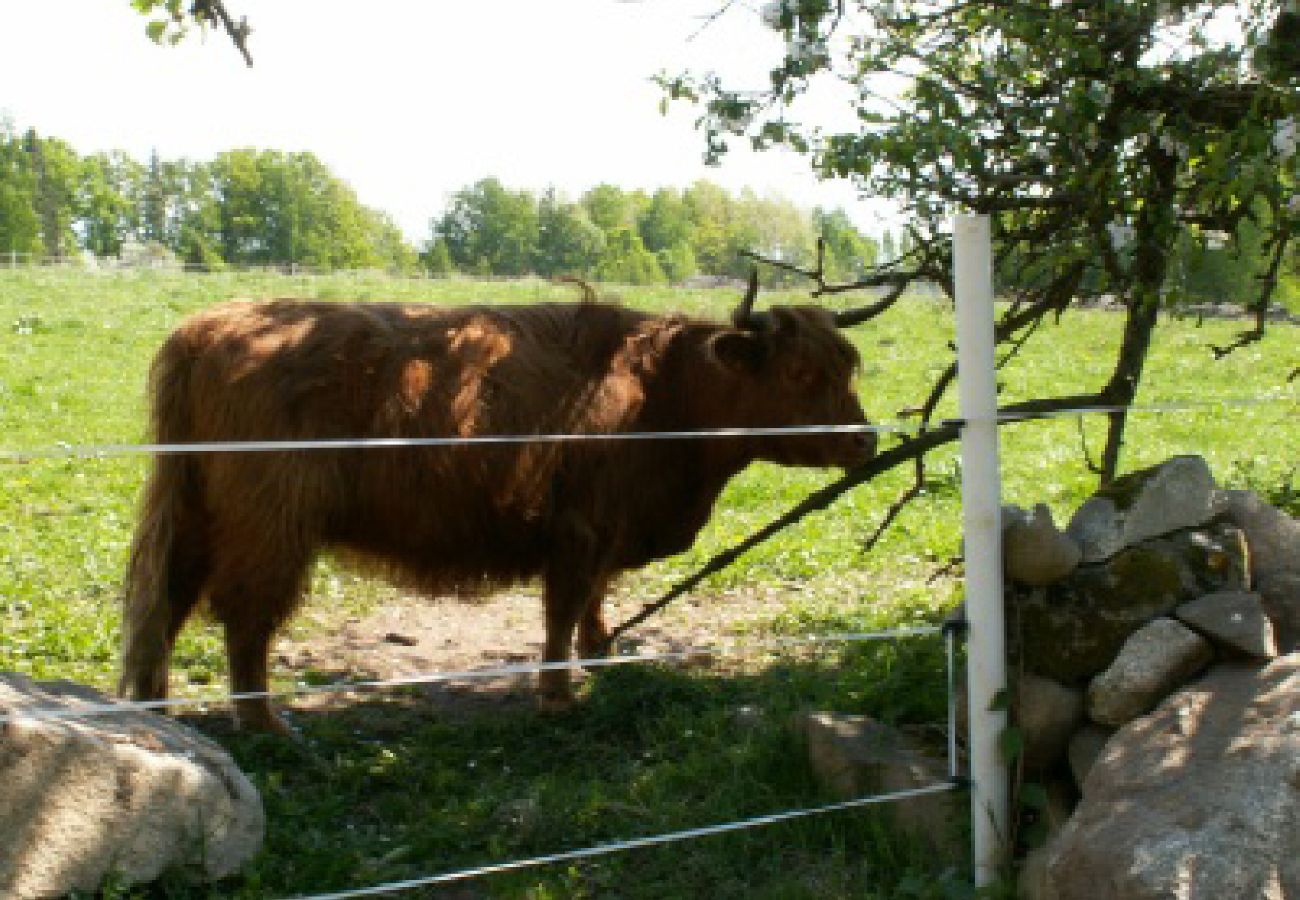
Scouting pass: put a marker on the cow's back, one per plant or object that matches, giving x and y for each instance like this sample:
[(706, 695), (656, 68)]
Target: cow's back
[(450, 516)]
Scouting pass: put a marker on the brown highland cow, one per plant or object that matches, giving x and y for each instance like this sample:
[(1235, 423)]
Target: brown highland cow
[(239, 530)]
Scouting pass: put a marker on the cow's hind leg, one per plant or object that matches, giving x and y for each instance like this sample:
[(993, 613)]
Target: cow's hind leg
[(154, 621), (251, 601)]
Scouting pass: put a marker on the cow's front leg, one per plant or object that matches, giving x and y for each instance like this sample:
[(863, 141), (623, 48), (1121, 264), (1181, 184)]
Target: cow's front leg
[(564, 599), (568, 596), (593, 634)]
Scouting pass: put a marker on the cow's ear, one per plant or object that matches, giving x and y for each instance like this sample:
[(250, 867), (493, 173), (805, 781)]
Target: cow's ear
[(738, 351)]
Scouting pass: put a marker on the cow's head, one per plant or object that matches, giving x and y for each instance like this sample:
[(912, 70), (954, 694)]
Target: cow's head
[(792, 367)]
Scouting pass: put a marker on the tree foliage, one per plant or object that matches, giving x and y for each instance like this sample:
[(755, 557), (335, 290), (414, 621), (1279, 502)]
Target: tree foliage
[(1101, 138), (632, 237), (490, 230), (171, 20)]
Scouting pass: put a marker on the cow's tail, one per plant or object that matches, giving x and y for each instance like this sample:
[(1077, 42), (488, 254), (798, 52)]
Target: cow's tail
[(163, 578)]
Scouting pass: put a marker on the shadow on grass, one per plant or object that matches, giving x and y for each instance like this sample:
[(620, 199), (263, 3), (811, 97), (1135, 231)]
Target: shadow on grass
[(418, 782)]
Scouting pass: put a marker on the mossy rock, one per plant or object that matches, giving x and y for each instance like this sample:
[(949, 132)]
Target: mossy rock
[(1072, 630)]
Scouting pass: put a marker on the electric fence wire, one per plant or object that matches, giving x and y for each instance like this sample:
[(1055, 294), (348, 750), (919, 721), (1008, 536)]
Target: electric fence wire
[(64, 450), (492, 672), (393, 887)]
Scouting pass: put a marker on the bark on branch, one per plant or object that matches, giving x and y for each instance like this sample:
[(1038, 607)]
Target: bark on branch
[(908, 451)]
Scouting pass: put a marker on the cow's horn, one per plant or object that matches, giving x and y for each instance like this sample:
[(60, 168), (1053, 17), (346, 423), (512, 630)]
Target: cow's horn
[(743, 316)]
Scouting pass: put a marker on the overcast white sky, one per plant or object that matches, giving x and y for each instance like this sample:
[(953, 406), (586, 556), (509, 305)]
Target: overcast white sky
[(407, 100)]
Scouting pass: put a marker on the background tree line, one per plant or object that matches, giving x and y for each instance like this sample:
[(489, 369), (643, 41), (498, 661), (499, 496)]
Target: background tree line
[(635, 237), (268, 207), (244, 207)]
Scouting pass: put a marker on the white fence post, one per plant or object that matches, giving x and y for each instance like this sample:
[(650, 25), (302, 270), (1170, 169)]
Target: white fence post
[(982, 527)]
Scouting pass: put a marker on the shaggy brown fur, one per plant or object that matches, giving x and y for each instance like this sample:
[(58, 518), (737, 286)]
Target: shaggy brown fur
[(239, 530)]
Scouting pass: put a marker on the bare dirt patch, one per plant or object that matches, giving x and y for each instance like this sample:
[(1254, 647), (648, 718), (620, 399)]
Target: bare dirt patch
[(412, 636)]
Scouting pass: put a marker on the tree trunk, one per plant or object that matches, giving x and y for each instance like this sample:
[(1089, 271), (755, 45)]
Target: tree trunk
[(1156, 230), (1123, 384)]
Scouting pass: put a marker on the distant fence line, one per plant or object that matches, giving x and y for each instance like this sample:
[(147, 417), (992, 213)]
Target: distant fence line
[(88, 262)]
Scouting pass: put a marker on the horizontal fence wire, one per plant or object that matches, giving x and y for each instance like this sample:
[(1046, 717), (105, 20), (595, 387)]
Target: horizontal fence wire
[(631, 844), (64, 450), (265, 446), (491, 672)]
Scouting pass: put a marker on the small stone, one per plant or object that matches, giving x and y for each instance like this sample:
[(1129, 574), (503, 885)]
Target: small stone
[(1037, 553), (856, 756), (1234, 620), (1155, 660)]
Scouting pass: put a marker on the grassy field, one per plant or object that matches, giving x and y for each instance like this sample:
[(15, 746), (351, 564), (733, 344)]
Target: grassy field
[(388, 789)]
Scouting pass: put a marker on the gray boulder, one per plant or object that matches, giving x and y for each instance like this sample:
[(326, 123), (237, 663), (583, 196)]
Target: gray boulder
[(1047, 713), (1034, 880), (1273, 536), (129, 795), (1274, 539), (856, 756), (1201, 798), (1037, 553), (1071, 630), (1280, 594), (1174, 495), (1155, 659), (1233, 620)]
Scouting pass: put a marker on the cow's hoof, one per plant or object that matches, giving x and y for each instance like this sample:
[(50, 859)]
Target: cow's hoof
[(263, 721), (596, 651)]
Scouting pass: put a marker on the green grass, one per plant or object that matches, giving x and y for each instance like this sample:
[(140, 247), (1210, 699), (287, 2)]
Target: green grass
[(389, 789)]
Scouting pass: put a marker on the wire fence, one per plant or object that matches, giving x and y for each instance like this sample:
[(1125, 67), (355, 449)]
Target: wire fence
[(83, 709), (635, 843), (954, 781), (147, 262)]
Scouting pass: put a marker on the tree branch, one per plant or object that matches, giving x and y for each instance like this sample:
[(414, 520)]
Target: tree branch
[(1259, 308), (908, 451), (213, 12)]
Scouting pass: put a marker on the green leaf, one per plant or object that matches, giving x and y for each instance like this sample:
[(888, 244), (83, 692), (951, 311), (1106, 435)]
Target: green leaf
[(156, 30), (1011, 743), (1033, 796)]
